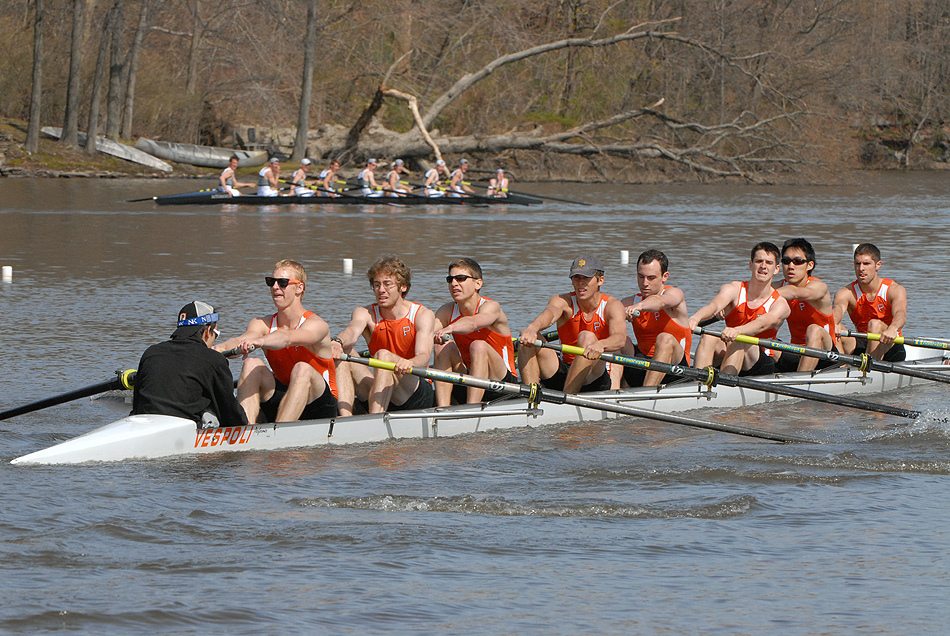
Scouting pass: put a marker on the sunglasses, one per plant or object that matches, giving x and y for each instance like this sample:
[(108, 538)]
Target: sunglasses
[(797, 260), (458, 278), (283, 282)]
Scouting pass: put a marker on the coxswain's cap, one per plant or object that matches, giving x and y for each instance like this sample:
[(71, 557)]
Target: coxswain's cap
[(586, 266), (305, 162), (193, 317)]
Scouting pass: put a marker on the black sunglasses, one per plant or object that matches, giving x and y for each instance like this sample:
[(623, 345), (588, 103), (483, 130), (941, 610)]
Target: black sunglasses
[(459, 278), (797, 260), (283, 282)]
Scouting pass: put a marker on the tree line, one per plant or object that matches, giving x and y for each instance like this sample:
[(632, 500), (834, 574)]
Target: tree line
[(752, 89)]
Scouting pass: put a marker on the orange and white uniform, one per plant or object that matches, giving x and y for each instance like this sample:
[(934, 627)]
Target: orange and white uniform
[(396, 336), (742, 314), (803, 314), (282, 361), (648, 325), (501, 344), (571, 329), (866, 310)]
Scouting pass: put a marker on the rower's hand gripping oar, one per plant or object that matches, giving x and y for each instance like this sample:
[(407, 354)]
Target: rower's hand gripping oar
[(123, 380), (711, 376), (914, 342), (535, 393), (863, 362)]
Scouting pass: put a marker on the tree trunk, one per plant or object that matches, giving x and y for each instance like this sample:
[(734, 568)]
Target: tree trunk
[(70, 137), (131, 70), (36, 94), (306, 86), (192, 78), (95, 102), (116, 71)]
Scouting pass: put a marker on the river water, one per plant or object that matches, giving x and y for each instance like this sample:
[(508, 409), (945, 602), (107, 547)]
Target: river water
[(621, 527)]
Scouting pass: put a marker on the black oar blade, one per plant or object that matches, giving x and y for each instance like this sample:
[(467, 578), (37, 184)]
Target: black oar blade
[(65, 397)]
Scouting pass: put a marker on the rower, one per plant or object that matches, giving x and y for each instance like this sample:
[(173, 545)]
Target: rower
[(267, 179), (811, 320), (875, 305), (367, 179), (750, 308), (660, 321), (300, 178), (457, 185), (228, 178), (396, 330), (432, 177), (498, 185), (183, 377), (327, 179), (480, 342), (301, 380), (392, 185), (585, 317)]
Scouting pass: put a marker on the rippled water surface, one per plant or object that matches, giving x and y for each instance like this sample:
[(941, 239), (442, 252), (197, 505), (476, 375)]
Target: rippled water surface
[(620, 527)]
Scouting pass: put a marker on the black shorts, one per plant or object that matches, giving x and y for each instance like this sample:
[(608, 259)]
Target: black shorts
[(556, 381), (422, 398), (788, 363), (460, 392), (765, 365), (324, 407), (896, 353), (634, 376)]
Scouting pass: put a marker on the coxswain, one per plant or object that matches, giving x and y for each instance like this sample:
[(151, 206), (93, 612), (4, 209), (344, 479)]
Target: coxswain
[(811, 320), (585, 317), (228, 178), (301, 380), (875, 305), (184, 377), (750, 308), (480, 342), (659, 319), (268, 178), (395, 330)]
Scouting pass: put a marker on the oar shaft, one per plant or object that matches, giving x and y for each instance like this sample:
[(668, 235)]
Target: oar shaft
[(834, 356), (560, 397), (115, 383), (728, 379), (914, 342)]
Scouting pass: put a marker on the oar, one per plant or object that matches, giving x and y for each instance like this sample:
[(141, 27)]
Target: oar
[(711, 376), (536, 393), (347, 196), (123, 380), (915, 342), (532, 194), (863, 362), (461, 195)]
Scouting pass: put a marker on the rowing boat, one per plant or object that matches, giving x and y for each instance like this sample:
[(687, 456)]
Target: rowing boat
[(207, 156), (157, 436), (216, 197)]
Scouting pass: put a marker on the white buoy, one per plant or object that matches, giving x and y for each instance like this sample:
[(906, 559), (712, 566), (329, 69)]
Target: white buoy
[(347, 265), (624, 257), (7, 272)]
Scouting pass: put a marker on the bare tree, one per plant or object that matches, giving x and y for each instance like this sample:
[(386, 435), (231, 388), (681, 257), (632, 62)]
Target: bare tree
[(70, 137), (116, 72), (92, 130), (306, 86), (132, 68), (36, 94)]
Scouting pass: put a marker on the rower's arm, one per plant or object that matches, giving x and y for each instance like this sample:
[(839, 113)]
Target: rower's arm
[(551, 314), (813, 291), (727, 295), (843, 304), (255, 329), (359, 325), (487, 315), (617, 326), (772, 319), (897, 296)]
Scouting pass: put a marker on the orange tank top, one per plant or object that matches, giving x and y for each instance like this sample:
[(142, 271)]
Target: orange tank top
[(867, 310), (803, 315), (742, 314), (571, 329), (648, 325), (396, 336), (282, 361), (499, 342)]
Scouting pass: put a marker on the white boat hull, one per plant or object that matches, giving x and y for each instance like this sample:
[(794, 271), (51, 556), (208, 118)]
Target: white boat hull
[(156, 436), (206, 156)]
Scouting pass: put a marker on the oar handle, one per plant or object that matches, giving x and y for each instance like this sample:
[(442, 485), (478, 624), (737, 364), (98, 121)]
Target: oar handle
[(236, 351)]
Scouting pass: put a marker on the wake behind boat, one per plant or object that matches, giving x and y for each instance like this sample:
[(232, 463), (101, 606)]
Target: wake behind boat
[(157, 436), (216, 197)]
